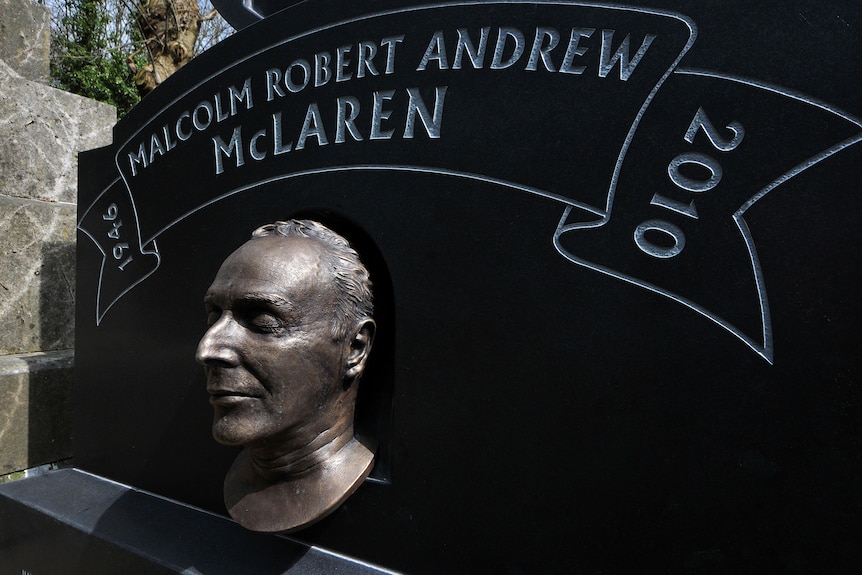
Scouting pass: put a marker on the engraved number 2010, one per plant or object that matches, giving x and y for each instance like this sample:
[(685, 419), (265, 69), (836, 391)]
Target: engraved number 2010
[(690, 184)]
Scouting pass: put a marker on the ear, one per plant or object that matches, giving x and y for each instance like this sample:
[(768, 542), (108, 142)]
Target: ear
[(360, 347)]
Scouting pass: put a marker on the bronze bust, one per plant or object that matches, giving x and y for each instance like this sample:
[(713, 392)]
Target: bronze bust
[(290, 330)]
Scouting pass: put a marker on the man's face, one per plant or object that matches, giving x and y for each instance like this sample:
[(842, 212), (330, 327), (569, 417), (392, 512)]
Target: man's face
[(274, 371)]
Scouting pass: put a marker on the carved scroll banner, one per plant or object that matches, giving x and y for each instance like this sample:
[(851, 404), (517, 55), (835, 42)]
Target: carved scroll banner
[(368, 93)]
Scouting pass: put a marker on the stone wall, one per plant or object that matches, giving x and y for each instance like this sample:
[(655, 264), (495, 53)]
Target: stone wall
[(25, 38), (41, 131)]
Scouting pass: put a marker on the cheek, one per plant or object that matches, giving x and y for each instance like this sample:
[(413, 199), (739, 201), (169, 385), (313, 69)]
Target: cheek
[(304, 378)]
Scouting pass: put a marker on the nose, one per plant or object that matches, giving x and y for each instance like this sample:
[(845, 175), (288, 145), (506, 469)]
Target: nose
[(216, 347)]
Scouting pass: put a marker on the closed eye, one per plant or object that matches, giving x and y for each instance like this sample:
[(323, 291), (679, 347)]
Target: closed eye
[(263, 322), (259, 318)]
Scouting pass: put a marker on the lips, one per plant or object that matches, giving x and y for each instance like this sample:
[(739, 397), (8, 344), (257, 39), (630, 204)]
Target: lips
[(228, 393), (229, 397), (228, 387)]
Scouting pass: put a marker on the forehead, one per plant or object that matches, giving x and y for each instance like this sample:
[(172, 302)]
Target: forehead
[(293, 268)]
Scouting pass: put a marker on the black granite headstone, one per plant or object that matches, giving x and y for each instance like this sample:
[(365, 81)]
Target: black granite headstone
[(615, 266)]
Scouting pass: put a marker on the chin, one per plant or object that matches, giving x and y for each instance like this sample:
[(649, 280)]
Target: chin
[(229, 433)]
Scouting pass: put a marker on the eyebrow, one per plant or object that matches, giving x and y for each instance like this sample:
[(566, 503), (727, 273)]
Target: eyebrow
[(261, 298), (267, 298)]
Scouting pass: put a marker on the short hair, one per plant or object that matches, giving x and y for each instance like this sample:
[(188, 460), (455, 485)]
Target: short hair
[(354, 300)]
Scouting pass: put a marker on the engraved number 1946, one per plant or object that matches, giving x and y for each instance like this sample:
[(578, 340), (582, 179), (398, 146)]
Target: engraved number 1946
[(114, 233)]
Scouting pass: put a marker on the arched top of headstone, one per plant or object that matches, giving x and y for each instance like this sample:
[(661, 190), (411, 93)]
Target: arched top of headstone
[(241, 13)]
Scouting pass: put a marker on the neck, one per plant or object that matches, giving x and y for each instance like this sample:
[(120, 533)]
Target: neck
[(280, 462), (283, 494)]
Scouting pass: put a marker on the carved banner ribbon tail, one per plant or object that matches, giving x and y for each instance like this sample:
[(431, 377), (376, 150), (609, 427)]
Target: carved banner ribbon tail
[(111, 222), (713, 146)]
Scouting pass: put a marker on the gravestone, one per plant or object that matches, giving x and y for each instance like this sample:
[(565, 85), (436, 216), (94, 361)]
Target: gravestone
[(615, 286)]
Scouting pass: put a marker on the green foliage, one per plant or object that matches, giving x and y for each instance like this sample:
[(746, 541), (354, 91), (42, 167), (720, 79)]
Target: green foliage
[(89, 56), (93, 40)]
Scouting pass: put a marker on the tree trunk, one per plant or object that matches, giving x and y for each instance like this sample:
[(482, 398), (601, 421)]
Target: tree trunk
[(170, 29)]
